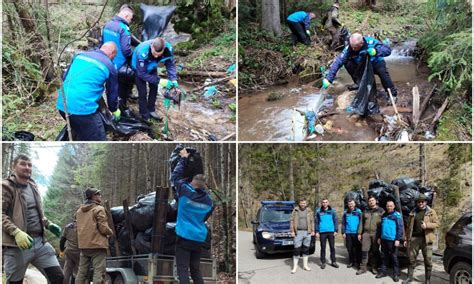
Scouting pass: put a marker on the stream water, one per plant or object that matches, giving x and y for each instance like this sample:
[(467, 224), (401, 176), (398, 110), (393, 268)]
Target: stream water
[(263, 120)]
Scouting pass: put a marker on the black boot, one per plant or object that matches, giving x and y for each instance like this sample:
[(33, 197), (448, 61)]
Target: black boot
[(380, 275), (410, 275), (427, 276)]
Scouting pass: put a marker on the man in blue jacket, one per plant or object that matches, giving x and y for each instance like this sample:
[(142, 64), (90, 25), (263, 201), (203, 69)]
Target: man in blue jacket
[(83, 86), (389, 236), (117, 30), (194, 208), (351, 224), (145, 60), (353, 59), (299, 23), (325, 224)]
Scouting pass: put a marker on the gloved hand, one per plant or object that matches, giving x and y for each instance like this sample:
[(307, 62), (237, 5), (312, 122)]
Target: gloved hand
[(55, 229), (371, 51), (117, 114), (175, 84), (22, 239), (326, 83), (61, 254), (308, 33)]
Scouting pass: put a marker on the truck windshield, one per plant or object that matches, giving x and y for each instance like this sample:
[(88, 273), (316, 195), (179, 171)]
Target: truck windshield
[(276, 215)]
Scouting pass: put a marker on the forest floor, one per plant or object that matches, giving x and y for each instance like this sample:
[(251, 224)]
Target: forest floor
[(270, 89), (198, 118)]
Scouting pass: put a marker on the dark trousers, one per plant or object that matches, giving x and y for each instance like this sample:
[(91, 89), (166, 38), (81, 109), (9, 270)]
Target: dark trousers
[(188, 256), (370, 250), (71, 265), (125, 84), (389, 253), (86, 127), (146, 101), (380, 68), (330, 237), (353, 246), (298, 33)]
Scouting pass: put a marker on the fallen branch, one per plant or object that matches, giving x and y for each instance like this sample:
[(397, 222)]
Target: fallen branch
[(416, 106), (228, 137), (399, 118), (424, 105), (203, 73), (438, 114), (212, 83)]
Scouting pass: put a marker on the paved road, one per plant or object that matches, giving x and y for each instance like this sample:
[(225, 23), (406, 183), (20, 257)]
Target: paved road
[(276, 269)]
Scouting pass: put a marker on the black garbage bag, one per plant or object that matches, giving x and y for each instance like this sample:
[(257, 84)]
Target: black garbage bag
[(141, 214), (405, 182), (375, 192), (408, 199), (378, 183), (124, 241), (366, 93), (63, 134), (358, 197), (23, 136), (117, 214), (170, 241), (155, 19), (193, 165), (143, 242), (172, 215), (126, 126), (386, 195), (429, 193), (126, 74)]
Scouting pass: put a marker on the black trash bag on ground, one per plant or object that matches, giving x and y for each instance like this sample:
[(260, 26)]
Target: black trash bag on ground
[(126, 126), (155, 19), (117, 214), (408, 199), (357, 196), (428, 192), (63, 134), (23, 136), (378, 183), (193, 165), (367, 91), (406, 182)]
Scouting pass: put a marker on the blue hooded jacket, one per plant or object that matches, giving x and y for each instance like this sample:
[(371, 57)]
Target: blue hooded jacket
[(117, 31), (358, 56), (83, 83), (145, 64), (300, 17), (194, 207), (351, 221), (391, 227), (325, 221)]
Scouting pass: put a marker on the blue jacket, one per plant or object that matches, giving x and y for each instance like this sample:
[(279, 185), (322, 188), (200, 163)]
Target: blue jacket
[(194, 207), (358, 56), (117, 30), (351, 221), (300, 17), (145, 64), (391, 228), (83, 83), (325, 221)]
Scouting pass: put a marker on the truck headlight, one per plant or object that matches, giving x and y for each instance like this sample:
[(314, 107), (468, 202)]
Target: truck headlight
[(267, 235)]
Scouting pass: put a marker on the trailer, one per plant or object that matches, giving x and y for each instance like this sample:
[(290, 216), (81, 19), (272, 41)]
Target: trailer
[(155, 267)]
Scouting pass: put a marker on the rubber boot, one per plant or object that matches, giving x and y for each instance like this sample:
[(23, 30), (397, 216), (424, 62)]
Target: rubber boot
[(427, 276), (410, 275), (305, 263), (295, 264), (362, 270)]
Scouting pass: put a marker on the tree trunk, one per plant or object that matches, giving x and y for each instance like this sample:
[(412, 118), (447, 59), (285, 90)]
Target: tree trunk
[(40, 52), (291, 175), (271, 17), (422, 164)]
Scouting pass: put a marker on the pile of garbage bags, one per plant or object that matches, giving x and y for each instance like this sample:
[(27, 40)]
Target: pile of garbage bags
[(409, 190), (141, 215)]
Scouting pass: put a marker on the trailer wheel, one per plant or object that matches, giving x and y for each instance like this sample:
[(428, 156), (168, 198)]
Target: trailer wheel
[(119, 279), (108, 279)]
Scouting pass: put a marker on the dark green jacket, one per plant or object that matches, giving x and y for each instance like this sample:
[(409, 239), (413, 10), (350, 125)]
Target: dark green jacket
[(370, 220)]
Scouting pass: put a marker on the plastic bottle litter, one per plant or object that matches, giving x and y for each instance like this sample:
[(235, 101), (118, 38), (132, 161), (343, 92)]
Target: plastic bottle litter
[(404, 137), (210, 91), (319, 129), (429, 135), (349, 109), (311, 118), (231, 69), (295, 90)]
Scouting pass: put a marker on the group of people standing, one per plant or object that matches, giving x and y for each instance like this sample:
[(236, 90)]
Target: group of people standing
[(93, 71), (372, 236)]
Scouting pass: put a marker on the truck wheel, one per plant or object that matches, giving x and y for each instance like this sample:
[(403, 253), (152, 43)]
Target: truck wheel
[(461, 273), (258, 253), (119, 279)]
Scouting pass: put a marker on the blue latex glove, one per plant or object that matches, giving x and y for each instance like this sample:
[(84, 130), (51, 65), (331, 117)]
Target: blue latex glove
[(171, 84)]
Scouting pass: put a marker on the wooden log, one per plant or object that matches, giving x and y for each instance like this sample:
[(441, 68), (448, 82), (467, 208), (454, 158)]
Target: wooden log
[(159, 219), (202, 73), (416, 106), (128, 224), (438, 114), (424, 104)]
